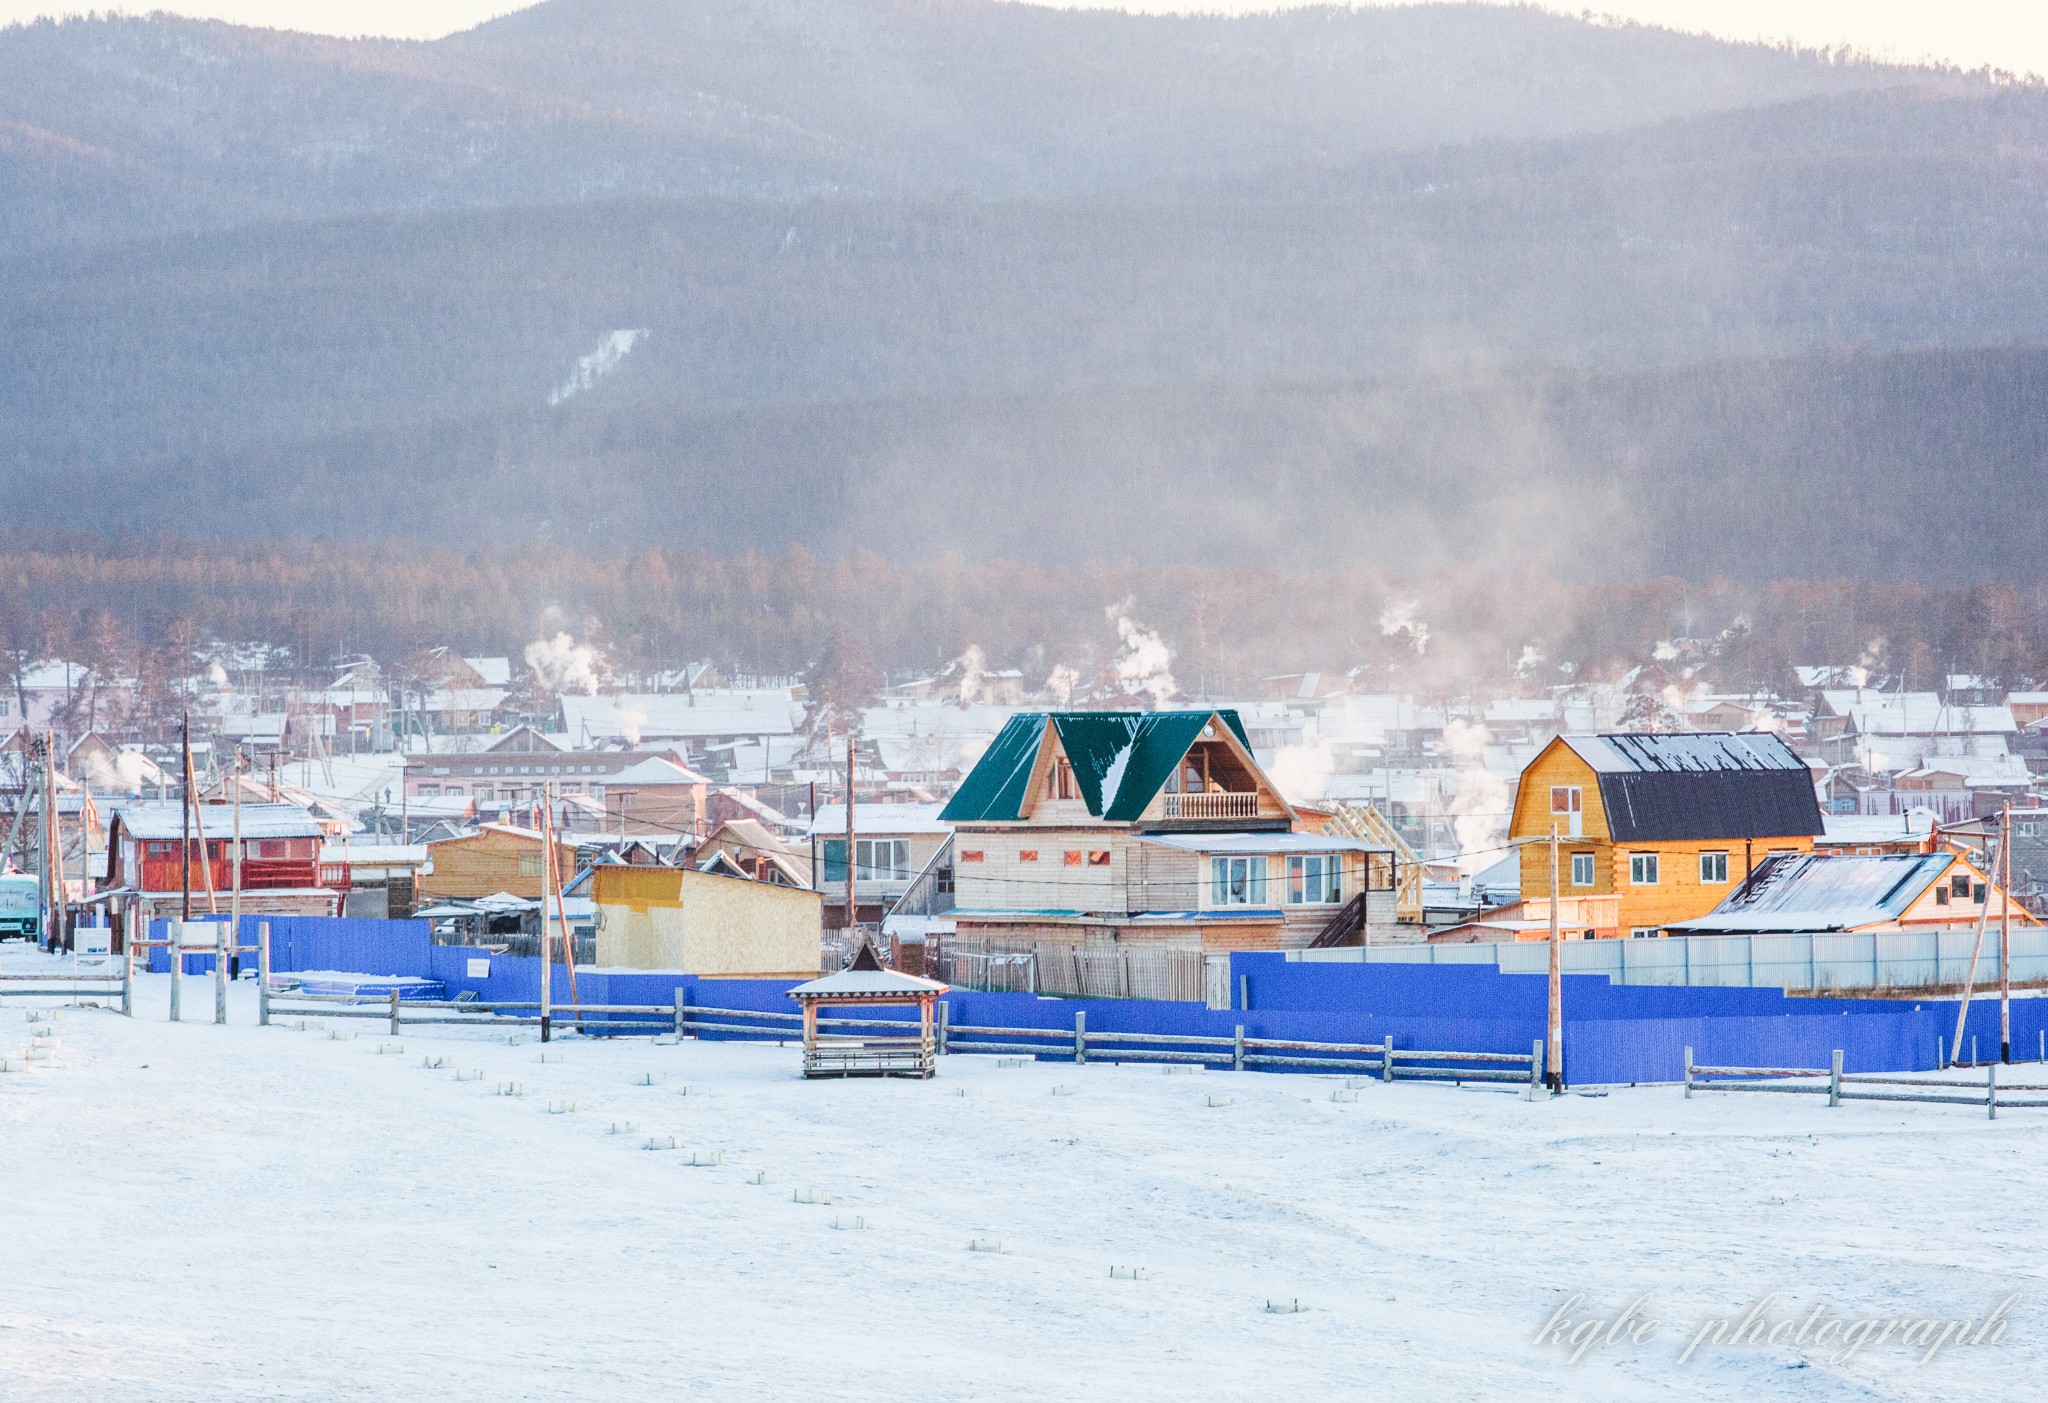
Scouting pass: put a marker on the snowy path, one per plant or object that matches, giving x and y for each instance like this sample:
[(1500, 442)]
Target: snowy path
[(196, 1212)]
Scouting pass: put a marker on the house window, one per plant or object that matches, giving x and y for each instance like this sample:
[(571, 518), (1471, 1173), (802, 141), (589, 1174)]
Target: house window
[(881, 859), (1071, 858), (2030, 830), (1564, 798), (1642, 869), (1961, 885), (835, 859), (1315, 879), (1941, 896), (1982, 894), (1237, 881), (1098, 857), (430, 791), (1642, 932), (971, 855), (1582, 869), (1028, 855), (1713, 869)]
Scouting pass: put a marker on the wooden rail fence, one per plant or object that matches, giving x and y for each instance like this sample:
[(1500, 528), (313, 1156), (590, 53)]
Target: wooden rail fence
[(1238, 1052), (1838, 1086)]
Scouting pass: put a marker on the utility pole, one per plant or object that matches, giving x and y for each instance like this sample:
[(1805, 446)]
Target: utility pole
[(1553, 1051), (2005, 933), (185, 848), (53, 857), (235, 896), (547, 862), (852, 906)]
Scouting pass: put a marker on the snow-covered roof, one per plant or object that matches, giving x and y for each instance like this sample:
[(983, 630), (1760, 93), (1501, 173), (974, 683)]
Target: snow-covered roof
[(866, 983), (496, 672), (872, 820), (166, 820), (1685, 753), (681, 715), (1820, 892), (1915, 714), (1849, 829), (1262, 843), (654, 770)]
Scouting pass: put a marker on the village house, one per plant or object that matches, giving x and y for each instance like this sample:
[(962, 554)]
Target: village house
[(745, 847), (498, 858), (1670, 824), (1810, 893), (513, 768), (282, 871), (732, 735), (659, 793), (1155, 827), (892, 843)]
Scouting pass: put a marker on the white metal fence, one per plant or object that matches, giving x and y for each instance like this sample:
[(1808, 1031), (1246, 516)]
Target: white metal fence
[(1820, 964)]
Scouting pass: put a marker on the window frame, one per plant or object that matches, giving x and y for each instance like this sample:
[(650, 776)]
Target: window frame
[(1640, 863), (1319, 885), (1711, 862), (1575, 799), (1224, 875), (1592, 871)]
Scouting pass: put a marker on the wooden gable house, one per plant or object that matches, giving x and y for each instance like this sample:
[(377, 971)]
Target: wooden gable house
[(1151, 826), (1671, 824)]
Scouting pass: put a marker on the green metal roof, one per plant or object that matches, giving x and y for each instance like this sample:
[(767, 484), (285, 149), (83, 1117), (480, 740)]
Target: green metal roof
[(1120, 759)]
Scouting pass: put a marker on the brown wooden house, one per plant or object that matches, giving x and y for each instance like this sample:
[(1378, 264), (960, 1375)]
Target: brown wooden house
[(497, 858)]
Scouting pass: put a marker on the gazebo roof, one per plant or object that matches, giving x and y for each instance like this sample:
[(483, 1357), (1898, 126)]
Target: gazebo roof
[(865, 978), (867, 984)]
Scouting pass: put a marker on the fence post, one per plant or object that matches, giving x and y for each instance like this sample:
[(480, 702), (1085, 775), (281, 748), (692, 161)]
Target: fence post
[(263, 974), (1991, 1090), (1237, 1051), (1835, 1080), (945, 1024), (394, 1013), (128, 968), (1535, 1068), (1387, 1059), (1940, 1053), (1244, 992), (682, 1007), (176, 930), (1688, 1074), (220, 972), (1080, 1037)]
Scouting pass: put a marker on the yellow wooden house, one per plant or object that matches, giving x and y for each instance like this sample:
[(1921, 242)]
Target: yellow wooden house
[(1670, 824)]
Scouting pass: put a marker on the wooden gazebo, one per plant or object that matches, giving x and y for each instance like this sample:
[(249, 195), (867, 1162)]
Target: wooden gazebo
[(866, 984)]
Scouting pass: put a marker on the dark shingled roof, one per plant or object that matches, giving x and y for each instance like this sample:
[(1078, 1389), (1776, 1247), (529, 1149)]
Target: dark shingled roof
[(1120, 758), (1701, 786)]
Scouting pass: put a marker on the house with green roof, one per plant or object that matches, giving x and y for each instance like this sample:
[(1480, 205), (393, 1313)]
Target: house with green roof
[(1155, 826)]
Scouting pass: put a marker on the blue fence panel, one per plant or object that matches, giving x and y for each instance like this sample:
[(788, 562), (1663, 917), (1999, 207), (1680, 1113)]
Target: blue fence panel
[(1613, 1033)]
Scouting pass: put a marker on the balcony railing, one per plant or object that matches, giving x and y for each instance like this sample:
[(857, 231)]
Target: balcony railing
[(1245, 805)]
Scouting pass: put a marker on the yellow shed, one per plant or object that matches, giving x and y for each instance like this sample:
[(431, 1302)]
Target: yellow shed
[(1671, 824), (705, 923)]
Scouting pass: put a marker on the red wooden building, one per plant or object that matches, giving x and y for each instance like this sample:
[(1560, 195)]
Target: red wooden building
[(282, 872)]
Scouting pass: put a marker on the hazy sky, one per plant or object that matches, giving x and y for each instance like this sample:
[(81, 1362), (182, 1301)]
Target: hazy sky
[(2008, 34)]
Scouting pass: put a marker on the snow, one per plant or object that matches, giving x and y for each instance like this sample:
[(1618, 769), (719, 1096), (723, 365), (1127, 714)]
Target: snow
[(227, 1213)]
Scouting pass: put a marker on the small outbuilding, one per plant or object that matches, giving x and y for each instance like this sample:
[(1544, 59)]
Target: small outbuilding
[(866, 984)]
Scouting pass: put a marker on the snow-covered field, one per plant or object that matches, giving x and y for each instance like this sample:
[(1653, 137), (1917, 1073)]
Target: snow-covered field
[(199, 1212)]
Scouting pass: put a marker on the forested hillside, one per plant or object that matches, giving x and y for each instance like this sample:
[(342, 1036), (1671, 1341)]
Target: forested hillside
[(1399, 288)]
